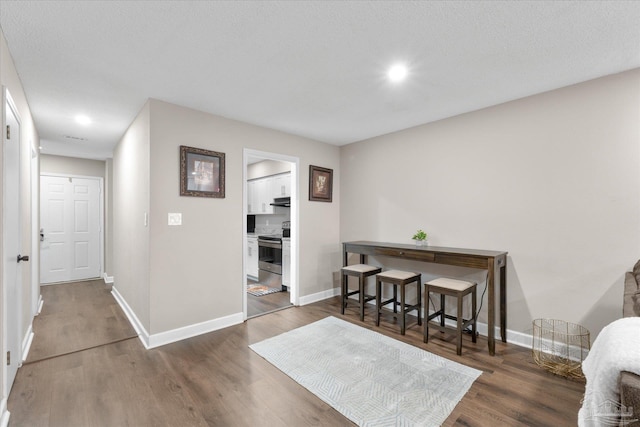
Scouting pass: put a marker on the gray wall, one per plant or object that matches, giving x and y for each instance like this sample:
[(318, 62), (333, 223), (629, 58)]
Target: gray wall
[(130, 206), (195, 270), (108, 218), (552, 179), (71, 166)]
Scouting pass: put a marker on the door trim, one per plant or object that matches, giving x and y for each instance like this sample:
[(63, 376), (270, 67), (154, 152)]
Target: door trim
[(101, 220), (36, 297), (8, 100)]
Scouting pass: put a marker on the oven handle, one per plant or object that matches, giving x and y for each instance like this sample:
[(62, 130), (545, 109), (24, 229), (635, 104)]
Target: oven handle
[(269, 244)]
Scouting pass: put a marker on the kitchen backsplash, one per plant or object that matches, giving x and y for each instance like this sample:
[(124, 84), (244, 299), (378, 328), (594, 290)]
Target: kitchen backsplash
[(270, 224)]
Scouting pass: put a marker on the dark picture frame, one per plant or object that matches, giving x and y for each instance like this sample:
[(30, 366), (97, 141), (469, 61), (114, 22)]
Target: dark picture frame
[(320, 184), (201, 172)]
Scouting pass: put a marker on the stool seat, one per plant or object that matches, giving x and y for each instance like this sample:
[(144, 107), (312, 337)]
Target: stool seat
[(361, 268), (361, 271), (401, 279), (397, 274), (456, 288), (452, 284)]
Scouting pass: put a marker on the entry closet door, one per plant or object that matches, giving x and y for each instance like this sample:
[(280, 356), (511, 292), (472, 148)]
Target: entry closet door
[(71, 228)]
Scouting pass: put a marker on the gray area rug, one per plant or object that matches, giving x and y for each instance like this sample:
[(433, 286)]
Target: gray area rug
[(368, 377)]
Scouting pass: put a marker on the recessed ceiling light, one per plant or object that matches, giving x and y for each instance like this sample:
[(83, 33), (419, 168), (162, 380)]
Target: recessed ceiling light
[(83, 120), (397, 73)]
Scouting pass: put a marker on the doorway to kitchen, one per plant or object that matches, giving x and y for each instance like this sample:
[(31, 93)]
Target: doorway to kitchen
[(270, 232)]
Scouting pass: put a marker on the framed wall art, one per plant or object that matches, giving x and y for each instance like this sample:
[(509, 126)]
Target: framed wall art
[(320, 184), (201, 172)]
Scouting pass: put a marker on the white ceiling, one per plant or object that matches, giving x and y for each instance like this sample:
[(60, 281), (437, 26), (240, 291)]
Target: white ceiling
[(313, 68)]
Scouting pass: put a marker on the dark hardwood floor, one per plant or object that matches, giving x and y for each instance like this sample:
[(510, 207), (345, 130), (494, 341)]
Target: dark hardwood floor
[(216, 380), (257, 306), (76, 316)]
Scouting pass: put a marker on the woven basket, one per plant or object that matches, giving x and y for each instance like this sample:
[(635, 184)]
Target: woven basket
[(560, 347)]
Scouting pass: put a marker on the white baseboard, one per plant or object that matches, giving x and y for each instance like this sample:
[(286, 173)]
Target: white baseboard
[(163, 338), (309, 299), (40, 304), (26, 343), (107, 279), (133, 319), (513, 337), (4, 413)]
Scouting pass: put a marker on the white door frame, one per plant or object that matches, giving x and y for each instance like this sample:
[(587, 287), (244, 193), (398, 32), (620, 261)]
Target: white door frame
[(100, 210), (295, 221), (6, 327), (36, 297)]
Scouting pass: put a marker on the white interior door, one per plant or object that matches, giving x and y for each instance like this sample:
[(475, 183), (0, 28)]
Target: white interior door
[(11, 240), (71, 228)]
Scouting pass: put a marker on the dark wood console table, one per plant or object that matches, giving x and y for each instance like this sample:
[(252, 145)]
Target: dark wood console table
[(492, 261)]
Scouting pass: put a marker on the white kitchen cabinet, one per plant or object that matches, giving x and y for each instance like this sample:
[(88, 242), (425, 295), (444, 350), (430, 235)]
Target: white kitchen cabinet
[(282, 185), (286, 262), (260, 195), (252, 207), (262, 191), (252, 257)]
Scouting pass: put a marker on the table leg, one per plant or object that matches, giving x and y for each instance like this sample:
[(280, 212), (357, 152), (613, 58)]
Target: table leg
[(344, 255), (503, 301), (491, 303)]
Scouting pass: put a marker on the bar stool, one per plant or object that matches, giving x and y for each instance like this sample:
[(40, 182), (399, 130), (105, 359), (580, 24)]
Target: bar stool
[(398, 278), (457, 288), (361, 271)]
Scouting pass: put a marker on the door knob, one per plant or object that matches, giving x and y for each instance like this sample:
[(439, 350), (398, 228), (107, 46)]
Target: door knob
[(23, 258)]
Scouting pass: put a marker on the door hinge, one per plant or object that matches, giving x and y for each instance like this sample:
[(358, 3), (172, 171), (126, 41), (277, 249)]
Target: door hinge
[(8, 358), (8, 132)]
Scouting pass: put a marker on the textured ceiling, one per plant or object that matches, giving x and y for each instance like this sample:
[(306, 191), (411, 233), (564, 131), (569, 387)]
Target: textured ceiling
[(315, 69)]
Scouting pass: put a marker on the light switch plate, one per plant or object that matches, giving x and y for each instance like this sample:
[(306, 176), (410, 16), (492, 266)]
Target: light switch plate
[(175, 219)]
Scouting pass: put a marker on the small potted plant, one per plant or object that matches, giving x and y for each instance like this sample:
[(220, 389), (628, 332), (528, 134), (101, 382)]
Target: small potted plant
[(420, 237)]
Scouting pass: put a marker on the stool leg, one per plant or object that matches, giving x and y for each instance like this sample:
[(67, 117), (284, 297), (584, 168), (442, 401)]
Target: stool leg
[(402, 311), (344, 292), (395, 298), (361, 280), (419, 289), (425, 333), (473, 307), (441, 309), (378, 300), (459, 327)]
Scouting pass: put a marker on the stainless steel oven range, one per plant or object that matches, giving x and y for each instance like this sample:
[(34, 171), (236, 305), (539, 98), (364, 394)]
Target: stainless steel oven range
[(270, 260)]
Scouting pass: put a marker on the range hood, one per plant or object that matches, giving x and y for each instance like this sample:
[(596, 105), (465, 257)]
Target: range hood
[(285, 202)]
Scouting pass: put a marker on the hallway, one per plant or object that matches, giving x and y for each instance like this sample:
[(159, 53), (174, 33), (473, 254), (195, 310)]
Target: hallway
[(77, 316)]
